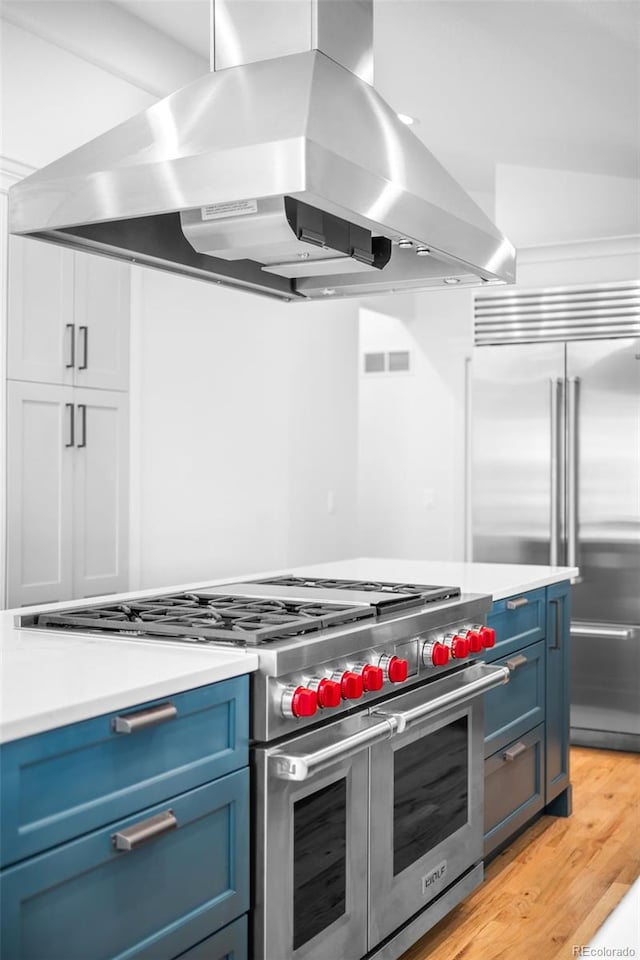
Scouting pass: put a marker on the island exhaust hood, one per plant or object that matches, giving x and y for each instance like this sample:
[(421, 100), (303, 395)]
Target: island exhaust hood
[(281, 172)]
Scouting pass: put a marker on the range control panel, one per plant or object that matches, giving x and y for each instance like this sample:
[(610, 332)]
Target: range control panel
[(340, 684)]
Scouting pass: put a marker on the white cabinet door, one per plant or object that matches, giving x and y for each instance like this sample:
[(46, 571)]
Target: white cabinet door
[(101, 509), (102, 294), (40, 312), (39, 491)]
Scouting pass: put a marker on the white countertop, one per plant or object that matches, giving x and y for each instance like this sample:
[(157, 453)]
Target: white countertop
[(49, 679), (500, 580)]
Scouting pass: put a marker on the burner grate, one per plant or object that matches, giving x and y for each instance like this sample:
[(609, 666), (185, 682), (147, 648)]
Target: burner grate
[(427, 593), (224, 618)]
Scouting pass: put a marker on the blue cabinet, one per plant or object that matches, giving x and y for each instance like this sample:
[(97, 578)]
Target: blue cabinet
[(557, 717), (518, 621), (527, 719), (509, 713), (227, 944), (513, 787), (65, 782), (132, 879)]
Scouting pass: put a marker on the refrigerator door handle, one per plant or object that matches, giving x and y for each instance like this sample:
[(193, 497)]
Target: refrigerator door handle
[(556, 460), (573, 454), (607, 633)]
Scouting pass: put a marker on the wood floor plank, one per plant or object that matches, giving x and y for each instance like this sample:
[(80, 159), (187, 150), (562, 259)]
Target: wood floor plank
[(557, 883)]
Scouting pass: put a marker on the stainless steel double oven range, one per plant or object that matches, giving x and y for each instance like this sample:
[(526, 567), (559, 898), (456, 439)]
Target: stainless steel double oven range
[(367, 732)]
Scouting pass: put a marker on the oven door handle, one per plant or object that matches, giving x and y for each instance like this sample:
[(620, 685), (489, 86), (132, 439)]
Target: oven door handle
[(459, 693), (301, 766)]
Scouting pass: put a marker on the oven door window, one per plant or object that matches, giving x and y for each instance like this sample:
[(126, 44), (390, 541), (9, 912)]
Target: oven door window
[(430, 795), (319, 861)]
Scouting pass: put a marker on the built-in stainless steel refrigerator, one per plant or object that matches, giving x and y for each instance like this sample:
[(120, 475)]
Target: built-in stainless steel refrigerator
[(555, 479)]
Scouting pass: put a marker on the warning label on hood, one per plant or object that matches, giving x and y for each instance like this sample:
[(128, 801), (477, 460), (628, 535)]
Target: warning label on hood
[(230, 208)]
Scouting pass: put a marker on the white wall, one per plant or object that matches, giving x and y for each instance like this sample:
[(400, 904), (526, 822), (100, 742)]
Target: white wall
[(52, 100), (590, 261), (244, 431), (411, 428), (107, 36), (536, 206)]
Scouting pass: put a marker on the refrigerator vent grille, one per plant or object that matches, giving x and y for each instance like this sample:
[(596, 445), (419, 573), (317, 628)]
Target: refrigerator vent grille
[(594, 312)]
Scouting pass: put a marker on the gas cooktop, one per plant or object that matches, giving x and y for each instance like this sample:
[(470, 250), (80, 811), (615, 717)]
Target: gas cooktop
[(249, 613)]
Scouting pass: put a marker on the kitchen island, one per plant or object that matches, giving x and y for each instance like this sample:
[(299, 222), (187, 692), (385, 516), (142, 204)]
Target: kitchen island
[(49, 680), (80, 793)]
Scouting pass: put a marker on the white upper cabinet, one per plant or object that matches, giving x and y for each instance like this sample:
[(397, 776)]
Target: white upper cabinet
[(41, 295), (102, 297), (68, 317)]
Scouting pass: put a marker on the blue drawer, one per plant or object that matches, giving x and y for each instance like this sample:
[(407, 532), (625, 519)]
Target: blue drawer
[(513, 788), (88, 901), (518, 621), (513, 708), (227, 944), (63, 783)]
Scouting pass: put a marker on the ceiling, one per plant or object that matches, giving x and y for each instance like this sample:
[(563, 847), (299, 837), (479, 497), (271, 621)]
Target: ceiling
[(543, 83)]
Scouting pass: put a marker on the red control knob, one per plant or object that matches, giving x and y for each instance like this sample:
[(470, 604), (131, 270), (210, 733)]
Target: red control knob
[(458, 646), (328, 692), (351, 685), (487, 636), (372, 677), (435, 654), (473, 638), (301, 702), (398, 670)]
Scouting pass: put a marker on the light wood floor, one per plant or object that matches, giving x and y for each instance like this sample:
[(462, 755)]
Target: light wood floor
[(557, 883)]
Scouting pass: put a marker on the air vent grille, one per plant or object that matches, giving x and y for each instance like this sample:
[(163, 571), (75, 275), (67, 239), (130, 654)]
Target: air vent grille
[(558, 313), (374, 362), (395, 361)]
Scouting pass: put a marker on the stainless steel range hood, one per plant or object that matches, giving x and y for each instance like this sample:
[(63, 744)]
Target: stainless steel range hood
[(282, 172)]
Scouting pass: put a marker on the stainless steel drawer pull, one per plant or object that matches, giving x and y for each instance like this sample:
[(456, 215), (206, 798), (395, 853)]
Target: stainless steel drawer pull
[(514, 751), (146, 830), (516, 604), (516, 662), (132, 722)]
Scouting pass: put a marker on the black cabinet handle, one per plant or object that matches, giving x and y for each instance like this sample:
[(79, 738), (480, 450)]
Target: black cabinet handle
[(69, 408), (82, 409), (84, 333), (71, 361)]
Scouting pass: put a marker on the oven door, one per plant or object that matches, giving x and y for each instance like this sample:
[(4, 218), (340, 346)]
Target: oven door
[(427, 789), (311, 839)]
